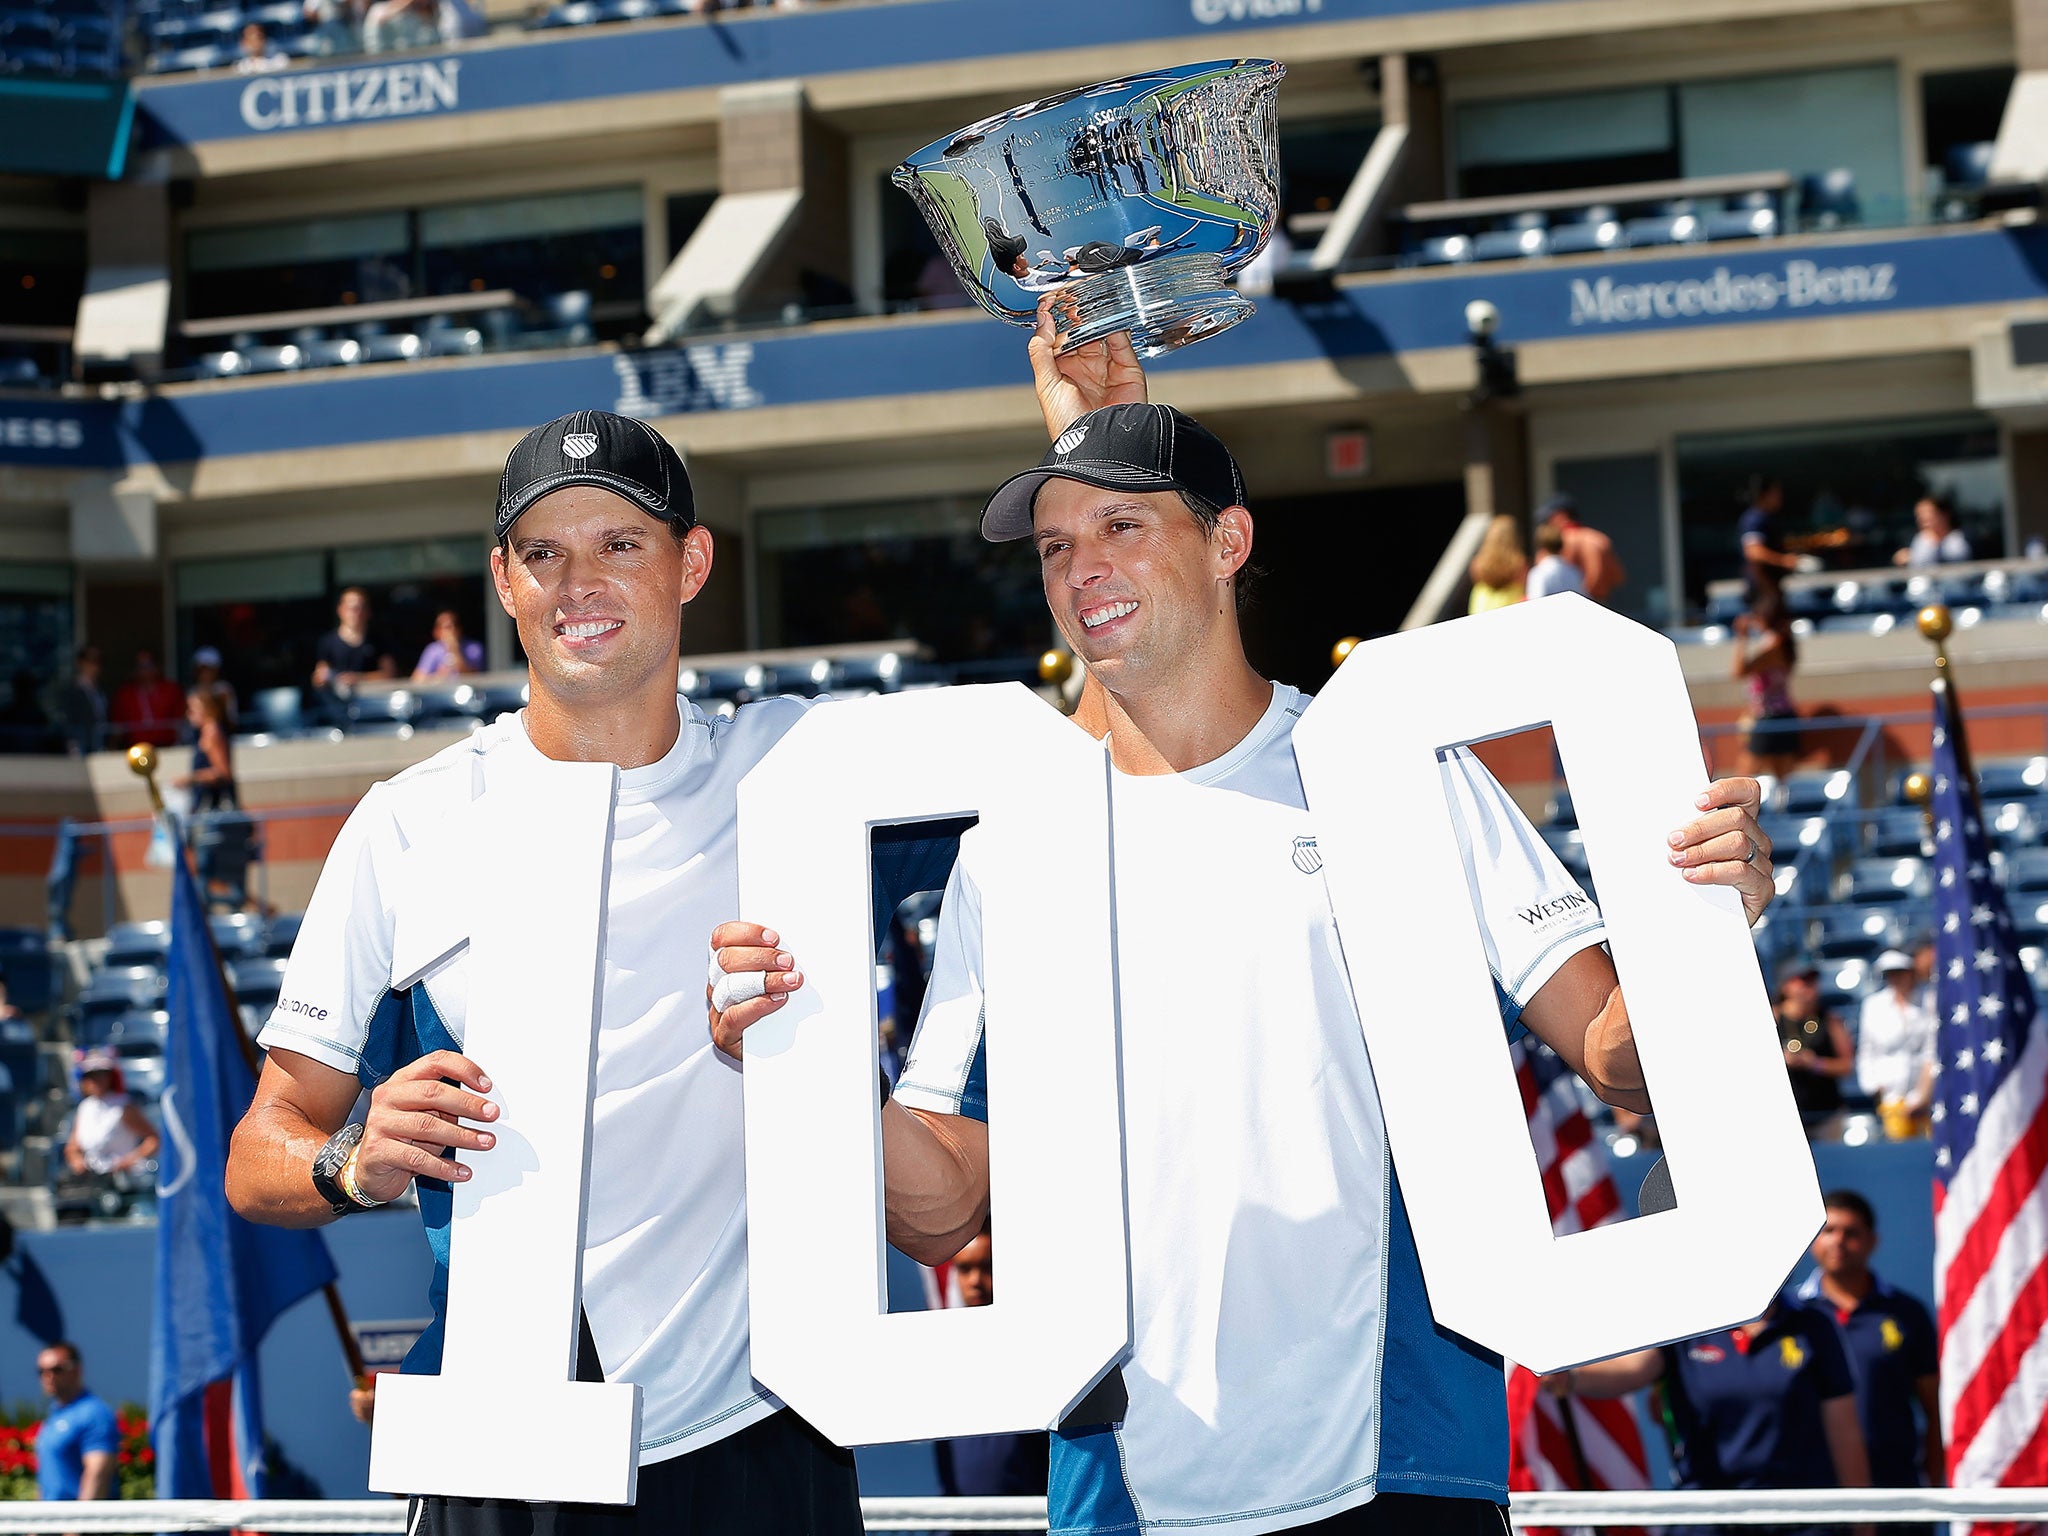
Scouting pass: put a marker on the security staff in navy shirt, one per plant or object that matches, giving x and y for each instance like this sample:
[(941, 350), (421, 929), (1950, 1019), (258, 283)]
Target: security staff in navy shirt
[(1769, 1404), (1890, 1343)]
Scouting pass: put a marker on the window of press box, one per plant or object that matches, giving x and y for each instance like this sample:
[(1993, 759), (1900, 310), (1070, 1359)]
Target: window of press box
[(1801, 122), (914, 271), (1318, 159), (36, 643), (1861, 479), (898, 571), (1960, 108), (537, 247), (266, 613), (42, 275)]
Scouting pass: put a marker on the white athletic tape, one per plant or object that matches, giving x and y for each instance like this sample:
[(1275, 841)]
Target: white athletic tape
[(386, 1517), (730, 987)]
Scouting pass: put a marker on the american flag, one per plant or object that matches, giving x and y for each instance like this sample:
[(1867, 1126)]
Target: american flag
[(1567, 1442), (1990, 1149)]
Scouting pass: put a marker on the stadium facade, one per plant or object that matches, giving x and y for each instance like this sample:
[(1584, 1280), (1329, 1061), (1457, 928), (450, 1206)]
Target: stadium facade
[(273, 332)]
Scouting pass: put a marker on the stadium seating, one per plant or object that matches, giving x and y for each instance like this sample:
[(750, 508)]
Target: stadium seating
[(137, 945), (554, 320)]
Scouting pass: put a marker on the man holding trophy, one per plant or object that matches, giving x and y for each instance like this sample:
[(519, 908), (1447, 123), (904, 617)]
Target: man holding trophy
[(1285, 1372)]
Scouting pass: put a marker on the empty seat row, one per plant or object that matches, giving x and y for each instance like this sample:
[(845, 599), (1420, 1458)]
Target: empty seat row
[(563, 319)]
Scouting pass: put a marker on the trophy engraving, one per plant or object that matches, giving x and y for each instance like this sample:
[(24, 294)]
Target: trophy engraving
[(1133, 201)]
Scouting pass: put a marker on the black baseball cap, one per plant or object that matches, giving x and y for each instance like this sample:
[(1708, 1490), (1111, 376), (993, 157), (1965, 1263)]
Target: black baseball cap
[(614, 453), (1139, 447)]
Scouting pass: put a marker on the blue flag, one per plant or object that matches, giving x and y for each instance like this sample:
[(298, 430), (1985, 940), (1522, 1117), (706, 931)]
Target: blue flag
[(220, 1281)]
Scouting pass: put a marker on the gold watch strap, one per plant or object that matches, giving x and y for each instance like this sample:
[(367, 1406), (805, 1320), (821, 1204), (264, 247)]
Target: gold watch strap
[(345, 1179)]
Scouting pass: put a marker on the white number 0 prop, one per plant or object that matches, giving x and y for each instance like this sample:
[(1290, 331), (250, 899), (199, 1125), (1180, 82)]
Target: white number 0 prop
[(506, 1417), (1748, 1197), (822, 1338)]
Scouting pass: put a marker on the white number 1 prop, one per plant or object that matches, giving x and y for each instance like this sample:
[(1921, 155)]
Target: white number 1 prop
[(506, 1417), (1748, 1198), (822, 1338)]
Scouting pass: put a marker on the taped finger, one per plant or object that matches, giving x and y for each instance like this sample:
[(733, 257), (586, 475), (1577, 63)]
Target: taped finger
[(731, 987)]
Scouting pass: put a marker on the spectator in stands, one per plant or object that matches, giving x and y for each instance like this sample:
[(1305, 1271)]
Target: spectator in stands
[(1895, 1048), (459, 19), (391, 26), (109, 1134), (80, 1439), (1552, 572), (1893, 1354), (1762, 659), (448, 654), (1586, 548), (1818, 1051), (206, 678), (336, 26), (984, 1465), (1500, 569), (1938, 540), (349, 653), (25, 724), (259, 57), (79, 708), (1765, 558), (149, 706), (1768, 1404)]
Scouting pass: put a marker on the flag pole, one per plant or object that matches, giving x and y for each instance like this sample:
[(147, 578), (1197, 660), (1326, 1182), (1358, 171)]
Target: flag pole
[(1936, 625), (142, 763)]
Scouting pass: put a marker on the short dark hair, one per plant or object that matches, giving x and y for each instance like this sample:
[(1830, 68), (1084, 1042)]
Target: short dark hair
[(1943, 502), (1208, 517), (1759, 486), (68, 1348), (1848, 1200), (359, 591)]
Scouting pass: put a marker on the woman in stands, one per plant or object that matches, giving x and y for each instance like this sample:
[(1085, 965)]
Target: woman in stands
[(222, 849), (108, 1134), (1765, 654), (1500, 568)]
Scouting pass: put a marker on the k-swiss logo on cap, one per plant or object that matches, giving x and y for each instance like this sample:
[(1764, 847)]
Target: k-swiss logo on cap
[(579, 445), (1069, 441)]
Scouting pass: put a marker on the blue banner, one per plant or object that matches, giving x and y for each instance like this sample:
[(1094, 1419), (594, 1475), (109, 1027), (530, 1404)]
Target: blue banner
[(597, 62), (1743, 283), (220, 1281)]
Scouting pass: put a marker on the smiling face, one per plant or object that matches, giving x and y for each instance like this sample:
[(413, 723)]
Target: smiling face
[(1136, 585), (597, 588)]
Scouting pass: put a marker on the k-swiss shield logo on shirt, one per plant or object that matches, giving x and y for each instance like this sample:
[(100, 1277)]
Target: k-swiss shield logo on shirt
[(1308, 858), (579, 445)]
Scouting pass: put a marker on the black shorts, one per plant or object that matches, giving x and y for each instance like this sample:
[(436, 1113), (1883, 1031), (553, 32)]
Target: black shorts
[(1776, 736), (1414, 1514), (778, 1477)]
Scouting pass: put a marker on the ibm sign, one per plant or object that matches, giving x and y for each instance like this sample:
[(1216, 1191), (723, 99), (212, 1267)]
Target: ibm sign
[(351, 95)]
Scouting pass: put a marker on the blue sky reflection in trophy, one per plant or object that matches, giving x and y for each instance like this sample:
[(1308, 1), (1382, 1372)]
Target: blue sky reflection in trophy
[(1133, 200)]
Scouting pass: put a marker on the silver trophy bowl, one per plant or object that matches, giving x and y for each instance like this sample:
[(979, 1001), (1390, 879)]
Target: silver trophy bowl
[(1131, 202)]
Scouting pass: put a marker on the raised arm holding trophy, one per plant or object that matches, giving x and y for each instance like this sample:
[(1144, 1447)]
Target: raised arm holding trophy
[(1276, 1349)]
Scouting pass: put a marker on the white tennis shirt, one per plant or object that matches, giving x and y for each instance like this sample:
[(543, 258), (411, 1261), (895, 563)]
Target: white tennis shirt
[(665, 1248)]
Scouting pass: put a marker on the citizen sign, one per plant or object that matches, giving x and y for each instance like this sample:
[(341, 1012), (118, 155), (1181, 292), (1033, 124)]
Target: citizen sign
[(351, 95), (1798, 285), (1210, 12)]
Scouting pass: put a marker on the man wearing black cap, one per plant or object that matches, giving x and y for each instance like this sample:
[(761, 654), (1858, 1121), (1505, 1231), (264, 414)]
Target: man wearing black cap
[(598, 555), (1285, 1372)]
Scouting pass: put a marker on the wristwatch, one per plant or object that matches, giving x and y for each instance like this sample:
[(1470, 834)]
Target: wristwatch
[(334, 1172)]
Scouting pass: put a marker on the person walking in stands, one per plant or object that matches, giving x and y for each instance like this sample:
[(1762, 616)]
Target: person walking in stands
[(1761, 659), (1500, 569), (80, 1439), (1552, 572), (1890, 1343), (207, 678), (1586, 548), (149, 707), (1765, 560)]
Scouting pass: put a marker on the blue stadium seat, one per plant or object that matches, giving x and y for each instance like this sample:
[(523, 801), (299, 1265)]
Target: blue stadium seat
[(1444, 250), (876, 674), (487, 701), (2027, 587), (1682, 228), (1816, 791), (2026, 871), (281, 933), (401, 348), (137, 944), (395, 704), (1525, 235), (220, 365), (1968, 166), (1827, 199), (140, 1055), (1851, 977), (1896, 832), (205, 56), (1597, 230), (1569, 844), (2013, 824), (257, 981), (566, 318), (1854, 932), (1800, 839), (236, 934), (27, 968), (2012, 778), (334, 354), (453, 341), (1741, 224), (1871, 882)]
